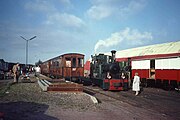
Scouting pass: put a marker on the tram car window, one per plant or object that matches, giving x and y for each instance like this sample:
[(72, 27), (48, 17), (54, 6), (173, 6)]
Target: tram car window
[(68, 62), (74, 62), (80, 62)]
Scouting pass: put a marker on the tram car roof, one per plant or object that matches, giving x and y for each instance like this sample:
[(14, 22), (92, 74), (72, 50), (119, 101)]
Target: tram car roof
[(64, 55)]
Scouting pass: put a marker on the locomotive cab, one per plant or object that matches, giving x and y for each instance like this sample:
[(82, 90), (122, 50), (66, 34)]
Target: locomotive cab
[(106, 72)]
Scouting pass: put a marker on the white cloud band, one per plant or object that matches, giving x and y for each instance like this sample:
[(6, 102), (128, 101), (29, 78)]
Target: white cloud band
[(109, 8), (132, 36)]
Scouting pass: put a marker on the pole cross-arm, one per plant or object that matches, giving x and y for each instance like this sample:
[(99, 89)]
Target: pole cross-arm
[(23, 38), (32, 38)]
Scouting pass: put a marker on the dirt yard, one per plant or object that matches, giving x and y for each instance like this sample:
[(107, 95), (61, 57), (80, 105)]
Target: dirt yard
[(26, 101)]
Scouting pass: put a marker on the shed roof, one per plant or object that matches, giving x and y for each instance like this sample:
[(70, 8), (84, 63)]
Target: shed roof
[(165, 48)]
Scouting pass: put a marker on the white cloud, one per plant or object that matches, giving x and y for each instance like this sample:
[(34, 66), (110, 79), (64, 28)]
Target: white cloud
[(48, 6), (66, 3), (40, 6), (99, 12), (65, 20), (53, 15), (108, 8), (131, 36)]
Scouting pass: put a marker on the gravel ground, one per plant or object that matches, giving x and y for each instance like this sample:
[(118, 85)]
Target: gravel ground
[(29, 99), (26, 101)]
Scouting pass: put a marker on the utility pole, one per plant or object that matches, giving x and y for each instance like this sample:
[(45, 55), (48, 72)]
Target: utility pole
[(27, 40)]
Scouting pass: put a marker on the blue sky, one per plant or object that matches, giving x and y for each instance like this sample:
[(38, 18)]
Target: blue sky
[(84, 26)]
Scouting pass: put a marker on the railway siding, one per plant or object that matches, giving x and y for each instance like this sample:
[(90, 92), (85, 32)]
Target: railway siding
[(156, 101)]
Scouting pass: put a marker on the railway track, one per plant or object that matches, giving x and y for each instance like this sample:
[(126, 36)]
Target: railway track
[(120, 102), (95, 91), (113, 95), (160, 103)]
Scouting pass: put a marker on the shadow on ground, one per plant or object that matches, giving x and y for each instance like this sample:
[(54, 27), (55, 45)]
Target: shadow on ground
[(25, 111)]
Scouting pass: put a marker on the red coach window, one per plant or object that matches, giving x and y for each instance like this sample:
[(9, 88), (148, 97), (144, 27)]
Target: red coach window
[(80, 62), (74, 62), (68, 62)]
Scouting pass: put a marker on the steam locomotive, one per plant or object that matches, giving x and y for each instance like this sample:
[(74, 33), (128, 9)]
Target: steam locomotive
[(107, 73)]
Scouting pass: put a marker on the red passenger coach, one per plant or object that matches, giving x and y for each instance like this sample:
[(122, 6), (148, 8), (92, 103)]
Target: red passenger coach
[(45, 68), (69, 66)]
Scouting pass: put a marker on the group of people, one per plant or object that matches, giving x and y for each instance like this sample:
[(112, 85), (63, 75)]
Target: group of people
[(135, 84), (17, 72)]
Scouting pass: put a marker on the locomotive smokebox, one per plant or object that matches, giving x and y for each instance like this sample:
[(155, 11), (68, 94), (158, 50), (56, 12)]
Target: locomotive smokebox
[(113, 52)]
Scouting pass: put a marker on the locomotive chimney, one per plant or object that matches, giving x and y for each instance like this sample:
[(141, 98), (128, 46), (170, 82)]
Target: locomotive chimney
[(113, 55)]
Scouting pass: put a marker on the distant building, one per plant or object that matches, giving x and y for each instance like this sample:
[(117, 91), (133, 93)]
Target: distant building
[(3, 65)]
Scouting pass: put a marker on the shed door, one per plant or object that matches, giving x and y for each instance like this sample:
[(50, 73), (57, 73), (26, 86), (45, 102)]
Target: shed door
[(171, 63), (142, 64), (142, 67), (152, 69)]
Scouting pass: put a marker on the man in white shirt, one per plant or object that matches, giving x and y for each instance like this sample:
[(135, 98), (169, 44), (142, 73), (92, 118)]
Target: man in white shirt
[(37, 71)]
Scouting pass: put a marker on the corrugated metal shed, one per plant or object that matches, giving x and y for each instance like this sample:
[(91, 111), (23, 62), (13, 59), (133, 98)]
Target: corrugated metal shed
[(166, 48), (158, 49)]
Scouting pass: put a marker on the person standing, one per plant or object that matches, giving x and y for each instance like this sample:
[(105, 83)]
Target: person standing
[(37, 71), (136, 84), (16, 72)]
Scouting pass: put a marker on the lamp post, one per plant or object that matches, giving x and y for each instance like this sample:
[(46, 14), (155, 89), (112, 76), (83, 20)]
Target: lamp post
[(27, 40)]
